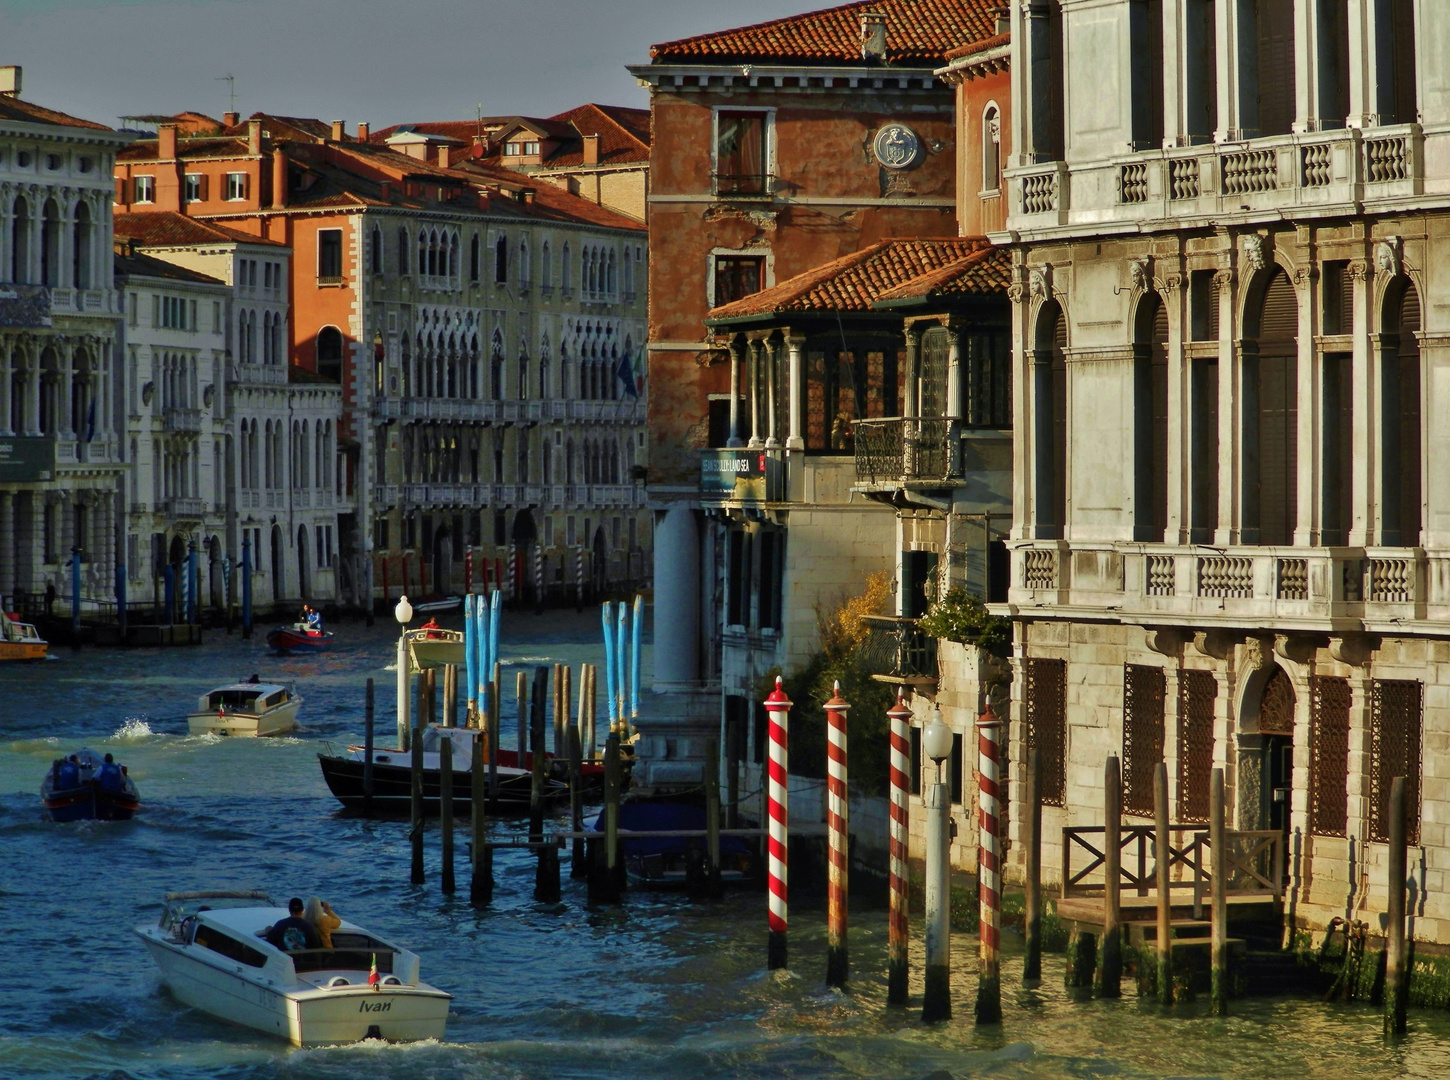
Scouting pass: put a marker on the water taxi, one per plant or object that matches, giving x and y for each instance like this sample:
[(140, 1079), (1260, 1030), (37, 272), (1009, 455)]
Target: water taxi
[(245, 708), (20, 640), (213, 957)]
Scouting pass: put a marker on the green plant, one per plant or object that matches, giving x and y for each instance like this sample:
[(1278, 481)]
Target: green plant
[(961, 616)]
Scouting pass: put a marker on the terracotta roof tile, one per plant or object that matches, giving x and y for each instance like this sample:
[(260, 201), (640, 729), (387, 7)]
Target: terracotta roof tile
[(624, 134), (138, 264), (916, 30), (855, 281), (993, 42), (985, 271), (169, 229), (13, 108)]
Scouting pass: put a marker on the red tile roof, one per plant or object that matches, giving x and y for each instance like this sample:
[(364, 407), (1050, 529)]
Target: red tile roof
[(624, 134), (993, 42), (855, 281), (13, 108), (138, 264), (170, 229), (916, 30), (985, 271)]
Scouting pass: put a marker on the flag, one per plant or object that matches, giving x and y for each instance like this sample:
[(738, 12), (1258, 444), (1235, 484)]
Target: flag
[(639, 371), (91, 421), (625, 373), (373, 973)]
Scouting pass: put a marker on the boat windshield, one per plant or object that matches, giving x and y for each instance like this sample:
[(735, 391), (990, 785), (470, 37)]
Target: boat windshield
[(180, 906), (350, 952), (239, 700)]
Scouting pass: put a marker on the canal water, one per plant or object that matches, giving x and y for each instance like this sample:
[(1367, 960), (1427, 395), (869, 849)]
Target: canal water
[(657, 988)]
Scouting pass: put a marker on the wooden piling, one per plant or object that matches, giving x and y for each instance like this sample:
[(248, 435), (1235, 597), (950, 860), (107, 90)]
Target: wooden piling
[(450, 695), (532, 712), (417, 807), (558, 713), (521, 697), (605, 870), (445, 804), (1165, 900), (1110, 956), (898, 923), (1032, 845), (578, 867), (1218, 907), (495, 727), (586, 752), (1396, 970), (566, 705), (480, 888), (713, 884), (838, 824), (591, 744), (368, 752), (428, 688), (546, 873)]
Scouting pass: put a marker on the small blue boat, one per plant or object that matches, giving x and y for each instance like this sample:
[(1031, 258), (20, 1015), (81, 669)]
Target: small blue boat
[(670, 861), (86, 786)]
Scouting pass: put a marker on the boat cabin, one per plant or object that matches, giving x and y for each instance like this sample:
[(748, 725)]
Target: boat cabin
[(245, 698)]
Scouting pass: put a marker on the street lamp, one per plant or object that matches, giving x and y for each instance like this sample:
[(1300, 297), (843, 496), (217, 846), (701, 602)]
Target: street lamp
[(404, 614), (936, 743)]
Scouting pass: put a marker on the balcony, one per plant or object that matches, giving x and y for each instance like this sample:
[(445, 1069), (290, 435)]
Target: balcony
[(757, 185), (180, 508), (1305, 588), (930, 452), (182, 421), (385, 495), (898, 651), (1277, 174)]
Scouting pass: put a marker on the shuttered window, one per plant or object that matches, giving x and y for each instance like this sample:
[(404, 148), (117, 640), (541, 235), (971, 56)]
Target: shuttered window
[(1197, 691), (1329, 754), (1396, 708), (1143, 690), (1046, 702), (1278, 412), (1275, 25)]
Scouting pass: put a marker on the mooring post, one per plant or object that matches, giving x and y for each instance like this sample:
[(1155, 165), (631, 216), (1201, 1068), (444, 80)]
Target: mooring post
[(470, 655), (1032, 844), (591, 743), (428, 690), (838, 839), (445, 806), (936, 742), (777, 707), (1110, 956), (898, 919), (1218, 906), (521, 697), (246, 586), (417, 807), (713, 886), (585, 751), (566, 705), (368, 751), (450, 695), (577, 865), (535, 719), (604, 869), (403, 612), (1165, 900), (989, 870), (1396, 971), (480, 887), (495, 727)]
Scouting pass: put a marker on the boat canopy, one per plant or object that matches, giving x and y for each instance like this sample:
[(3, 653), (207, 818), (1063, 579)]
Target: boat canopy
[(244, 697)]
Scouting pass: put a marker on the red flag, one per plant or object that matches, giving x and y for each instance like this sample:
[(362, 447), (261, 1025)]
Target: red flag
[(373, 974)]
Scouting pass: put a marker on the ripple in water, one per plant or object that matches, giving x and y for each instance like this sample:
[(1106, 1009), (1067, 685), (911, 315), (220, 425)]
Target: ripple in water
[(134, 729)]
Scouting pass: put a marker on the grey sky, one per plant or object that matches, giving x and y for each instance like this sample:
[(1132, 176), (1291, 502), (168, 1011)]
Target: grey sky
[(382, 61)]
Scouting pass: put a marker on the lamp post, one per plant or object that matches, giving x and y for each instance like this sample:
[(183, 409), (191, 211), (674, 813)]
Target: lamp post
[(404, 614), (936, 743)]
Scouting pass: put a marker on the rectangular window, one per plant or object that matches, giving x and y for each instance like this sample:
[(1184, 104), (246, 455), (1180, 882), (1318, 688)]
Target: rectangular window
[(1338, 452), (237, 186), (133, 554), (145, 189), (769, 580), (1197, 692), (1046, 701), (916, 760), (1396, 709), (193, 187), (740, 154), (216, 316), (1203, 305), (191, 315), (957, 770), (500, 529), (329, 255), (1329, 700), (1143, 693), (569, 532), (737, 276)]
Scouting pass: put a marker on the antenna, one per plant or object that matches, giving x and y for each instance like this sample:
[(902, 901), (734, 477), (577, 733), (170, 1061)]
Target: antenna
[(479, 107), (231, 81)]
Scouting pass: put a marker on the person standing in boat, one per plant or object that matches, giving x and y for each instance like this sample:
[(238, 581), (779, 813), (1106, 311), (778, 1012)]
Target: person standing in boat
[(294, 932), (323, 919), (109, 776)]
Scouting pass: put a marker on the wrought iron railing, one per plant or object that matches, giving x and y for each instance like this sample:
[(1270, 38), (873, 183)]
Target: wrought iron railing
[(896, 646), (903, 448)]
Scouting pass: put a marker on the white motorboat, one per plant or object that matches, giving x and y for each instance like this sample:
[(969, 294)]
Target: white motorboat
[(212, 958), (245, 708)]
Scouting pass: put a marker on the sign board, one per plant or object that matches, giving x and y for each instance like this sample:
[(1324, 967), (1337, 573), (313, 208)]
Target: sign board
[(743, 475), (26, 459), (24, 307)]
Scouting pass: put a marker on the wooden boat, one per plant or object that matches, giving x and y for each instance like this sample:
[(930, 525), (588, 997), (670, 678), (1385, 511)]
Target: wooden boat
[(299, 638), (20, 640), (245, 708), (85, 786), (212, 957), (393, 776)]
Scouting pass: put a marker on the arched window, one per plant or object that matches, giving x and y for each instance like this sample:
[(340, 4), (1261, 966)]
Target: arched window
[(501, 260), (329, 353), (991, 148), (523, 383), (376, 254), (613, 285), (1150, 419), (568, 270), (81, 254), (496, 364), (628, 274), (1402, 421), (546, 277), (1049, 390), (402, 251), (524, 268), (278, 357), (424, 268), (453, 258), (266, 337), (20, 241), (473, 259), (50, 244), (1271, 329)]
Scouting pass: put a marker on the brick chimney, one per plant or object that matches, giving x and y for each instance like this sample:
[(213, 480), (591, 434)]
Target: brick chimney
[(873, 37), (443, 156), (231, 119), (385, 191), (166, 142), (1004, 19), (279, 177), (363, 131), (254, 138), (591, 149), (10, 81), (339, 130), (528, 196)]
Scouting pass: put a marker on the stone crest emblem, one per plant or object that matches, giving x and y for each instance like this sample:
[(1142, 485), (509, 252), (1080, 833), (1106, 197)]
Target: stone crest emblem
[(897, 147)]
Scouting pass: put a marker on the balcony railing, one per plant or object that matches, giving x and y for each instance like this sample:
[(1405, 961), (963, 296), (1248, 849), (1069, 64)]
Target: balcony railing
[(180, 508), (182, 421), (896, 647), (756, 185), (902, 448)]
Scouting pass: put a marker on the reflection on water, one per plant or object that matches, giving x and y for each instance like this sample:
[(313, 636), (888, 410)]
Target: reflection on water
[(656, 988)]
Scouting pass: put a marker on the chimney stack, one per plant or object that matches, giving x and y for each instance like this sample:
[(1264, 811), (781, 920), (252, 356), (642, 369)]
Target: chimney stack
[(363, 131), (231, 119), (385, 191), (280, 177), (339, 130), (873, 37), (254, 138), (443, 156), (10, 81), (1004, 20), (591, 149), (528, 196), (166, 142)]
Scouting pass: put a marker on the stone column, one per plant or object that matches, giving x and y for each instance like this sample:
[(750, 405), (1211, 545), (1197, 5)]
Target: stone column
[(65, 526), (1435, 467), (770, 353), (755, 377), (737, 352), (954, 408), (677, 591), (7, 543), (795, 344), (911, 407)]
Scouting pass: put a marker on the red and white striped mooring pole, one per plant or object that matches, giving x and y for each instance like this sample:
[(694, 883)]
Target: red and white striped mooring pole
[(989, 871), (777, 806), (899, 930), (838, 832)]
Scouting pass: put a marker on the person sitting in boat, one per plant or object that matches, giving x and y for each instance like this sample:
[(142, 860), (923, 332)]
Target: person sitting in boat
[(294, 932), (323, 919), (108, 776), (68, 775), (430, 626)]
